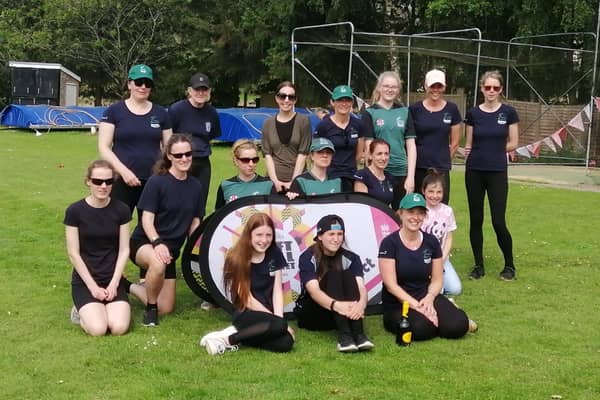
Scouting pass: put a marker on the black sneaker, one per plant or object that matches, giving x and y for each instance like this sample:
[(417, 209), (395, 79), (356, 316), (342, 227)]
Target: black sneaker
[(477, 273), (363, 343), (151, 317), (508, 274), (346, 344)]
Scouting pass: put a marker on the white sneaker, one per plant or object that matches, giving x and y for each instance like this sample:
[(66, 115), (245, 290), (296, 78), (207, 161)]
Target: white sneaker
[(75, 316), (222, 334), (217, 345), (207, 306)]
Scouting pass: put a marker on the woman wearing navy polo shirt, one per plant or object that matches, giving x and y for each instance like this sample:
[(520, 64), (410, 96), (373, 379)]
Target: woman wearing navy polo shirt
[(130, 136), (437, 126), (492, 131), (373, 179), (197, 117), (252, 277), (410, 263), (344, 131), (390, 120)]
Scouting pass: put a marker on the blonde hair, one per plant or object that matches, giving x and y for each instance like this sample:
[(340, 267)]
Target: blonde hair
[(386, 74), (242, 144), (494, 74)]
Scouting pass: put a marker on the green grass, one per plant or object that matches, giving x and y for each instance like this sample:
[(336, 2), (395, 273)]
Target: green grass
[(539, 336)]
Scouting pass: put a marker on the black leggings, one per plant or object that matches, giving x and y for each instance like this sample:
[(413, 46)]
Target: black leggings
[(496, 186), (453, 323), (399, 191), (129, 195), (201, 169), (341, 286), (263, 330), (421, 173)]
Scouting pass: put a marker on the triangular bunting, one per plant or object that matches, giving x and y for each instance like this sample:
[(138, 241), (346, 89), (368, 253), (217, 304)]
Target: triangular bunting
[(563, 134), (577, 122), (556, 137), (523, 151), (534, 149), (587, 110), (548, 142)]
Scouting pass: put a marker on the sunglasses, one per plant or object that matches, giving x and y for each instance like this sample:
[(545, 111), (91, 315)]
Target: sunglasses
[(246, 160), (99, 182), (489, 88), (188, 154), (143, 81), (283, 96)]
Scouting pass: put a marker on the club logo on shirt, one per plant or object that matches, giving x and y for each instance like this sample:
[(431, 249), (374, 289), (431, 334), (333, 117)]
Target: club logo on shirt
[(154, 122), (447, 118), (353, 133), (380, 122), (427, 256), (272, 268), (400, 122), (501, 119), (207, 126)]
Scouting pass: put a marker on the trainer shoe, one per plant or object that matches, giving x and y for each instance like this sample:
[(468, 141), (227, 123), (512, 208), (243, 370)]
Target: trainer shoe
[(216, 344), (151, 317), (207, 306), (363, 343), (346, 344), (477, 273), (472, 326), (75, 316), (225, 333), (508, 274)]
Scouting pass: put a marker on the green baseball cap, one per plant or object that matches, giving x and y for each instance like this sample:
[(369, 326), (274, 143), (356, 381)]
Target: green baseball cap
[(140, 71), (320, 143), (342, 91), (412, 200)]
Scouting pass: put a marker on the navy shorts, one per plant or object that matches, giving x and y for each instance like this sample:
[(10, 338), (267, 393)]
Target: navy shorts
[(134, 246), (82, 295)]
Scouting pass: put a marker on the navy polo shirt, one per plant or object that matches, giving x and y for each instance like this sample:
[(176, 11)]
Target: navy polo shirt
[(343, 164), (202, 123)]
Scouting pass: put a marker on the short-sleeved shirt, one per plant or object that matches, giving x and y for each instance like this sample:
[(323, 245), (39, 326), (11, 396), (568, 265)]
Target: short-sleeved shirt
[(262, 276), (234, 188), (99, 232), (202, 123), (345, 141), (381, 190), (307, 184), (413, 267), (137, 138), (308, 265), (490, 133), (395, 126), (433, 134), (439, 221), (285, 153), (174, 203)]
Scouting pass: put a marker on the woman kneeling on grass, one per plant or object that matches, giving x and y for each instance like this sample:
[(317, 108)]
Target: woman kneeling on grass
[(410, 263), (97, 236), (252, 276), (334, 294), (172, 207)]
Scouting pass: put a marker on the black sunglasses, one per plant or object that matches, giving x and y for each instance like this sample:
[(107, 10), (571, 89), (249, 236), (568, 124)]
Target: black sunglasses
[(99, 182), (246, 160), (143, 81), (188, 154), (283, 96)]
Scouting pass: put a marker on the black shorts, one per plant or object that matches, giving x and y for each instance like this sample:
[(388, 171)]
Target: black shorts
[(134, 246), (82, 295)]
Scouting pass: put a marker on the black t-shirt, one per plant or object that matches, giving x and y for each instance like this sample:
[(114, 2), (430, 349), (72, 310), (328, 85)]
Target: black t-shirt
[(308, 265), (98, 230), (174, 203), (343, 164), (284, 130), (381, 190), (413, 267), (262, 276), (202, 123)]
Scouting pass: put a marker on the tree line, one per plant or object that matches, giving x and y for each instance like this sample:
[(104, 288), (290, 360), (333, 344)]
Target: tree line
[(246, 44)]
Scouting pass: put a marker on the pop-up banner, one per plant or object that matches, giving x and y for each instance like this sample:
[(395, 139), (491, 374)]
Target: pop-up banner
[(367, 222)]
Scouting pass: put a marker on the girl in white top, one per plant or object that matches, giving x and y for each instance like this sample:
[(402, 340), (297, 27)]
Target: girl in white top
[(440, 222)]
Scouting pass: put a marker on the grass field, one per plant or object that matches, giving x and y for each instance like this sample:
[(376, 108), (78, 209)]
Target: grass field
[(538, 337)]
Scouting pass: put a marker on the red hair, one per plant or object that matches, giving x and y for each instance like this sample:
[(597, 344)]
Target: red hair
[(236, 271)]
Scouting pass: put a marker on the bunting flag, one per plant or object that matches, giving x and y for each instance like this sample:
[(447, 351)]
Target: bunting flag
[(563, 134), (597, 102), (523, 151), (534, 149), (577, 122), (548, 142), (588, 111), (556, 136)]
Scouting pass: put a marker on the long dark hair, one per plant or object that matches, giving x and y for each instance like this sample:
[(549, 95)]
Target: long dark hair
[(326, 263), (236, 271), (162, 166)]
